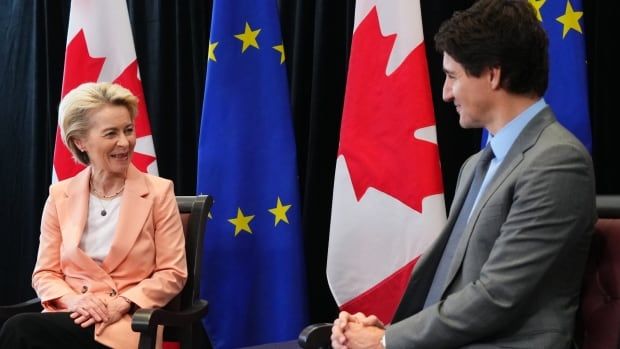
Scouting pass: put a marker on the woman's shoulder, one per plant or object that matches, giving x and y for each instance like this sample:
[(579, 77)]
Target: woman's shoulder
[(145, 182), (58, 188), (156, 184), (156, 180), (62, 186)]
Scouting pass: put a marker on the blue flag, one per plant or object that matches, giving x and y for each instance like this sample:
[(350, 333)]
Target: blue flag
[(567, 93), (253, 273), (568, 81)]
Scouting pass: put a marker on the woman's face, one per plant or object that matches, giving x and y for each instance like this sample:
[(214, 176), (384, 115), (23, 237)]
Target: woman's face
[(110, 140)]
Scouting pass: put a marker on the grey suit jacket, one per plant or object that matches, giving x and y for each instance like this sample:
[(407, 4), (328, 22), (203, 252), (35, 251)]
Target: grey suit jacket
[(516, 275)]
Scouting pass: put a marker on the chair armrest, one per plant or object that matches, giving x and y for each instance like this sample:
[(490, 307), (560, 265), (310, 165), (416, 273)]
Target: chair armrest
[(316, 336), (30, 306), (145, 319)]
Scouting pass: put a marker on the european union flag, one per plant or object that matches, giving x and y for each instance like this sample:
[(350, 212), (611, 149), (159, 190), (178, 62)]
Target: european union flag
[(567, 93), (568, 81), (252, 271)]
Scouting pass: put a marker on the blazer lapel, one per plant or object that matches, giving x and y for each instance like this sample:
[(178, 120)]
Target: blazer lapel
[(72, 215), (524, 141), (73, 210), (133, 213)]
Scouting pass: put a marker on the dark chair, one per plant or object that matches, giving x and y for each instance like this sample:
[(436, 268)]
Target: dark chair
[(598, 323), (181, 317), (316, 336), (30, 306)]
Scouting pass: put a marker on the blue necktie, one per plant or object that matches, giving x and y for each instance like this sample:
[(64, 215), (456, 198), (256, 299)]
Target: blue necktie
[(439, 280)]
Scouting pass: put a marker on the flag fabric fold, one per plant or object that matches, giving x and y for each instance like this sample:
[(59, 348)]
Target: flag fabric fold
[(252, 270), (100, 48), (388, 203)]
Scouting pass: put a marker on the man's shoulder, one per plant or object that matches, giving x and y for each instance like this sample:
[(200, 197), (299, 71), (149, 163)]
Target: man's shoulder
[(556, 137)]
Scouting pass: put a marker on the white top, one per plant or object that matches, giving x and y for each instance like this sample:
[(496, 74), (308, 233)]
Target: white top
[(99, 232)]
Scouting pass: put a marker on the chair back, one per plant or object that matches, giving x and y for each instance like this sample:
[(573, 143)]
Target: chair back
[(599, 315), (194, 211)]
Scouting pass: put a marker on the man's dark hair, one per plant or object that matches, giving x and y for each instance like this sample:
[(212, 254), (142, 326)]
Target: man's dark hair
[(499, 33)]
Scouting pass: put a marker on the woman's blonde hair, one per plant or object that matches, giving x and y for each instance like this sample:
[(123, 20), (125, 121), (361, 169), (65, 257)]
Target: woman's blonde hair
[(78, 104)]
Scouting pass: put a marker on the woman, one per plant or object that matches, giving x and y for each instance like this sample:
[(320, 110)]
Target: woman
[(111, 237)]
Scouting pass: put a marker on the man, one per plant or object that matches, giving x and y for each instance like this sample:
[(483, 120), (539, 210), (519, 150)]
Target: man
[(506, 270)]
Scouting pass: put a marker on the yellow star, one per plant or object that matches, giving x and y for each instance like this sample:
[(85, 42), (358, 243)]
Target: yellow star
[(280, 212), (241, 222), (280, 48), (248, 37), (570, 19), (537, 5), (212, 47)]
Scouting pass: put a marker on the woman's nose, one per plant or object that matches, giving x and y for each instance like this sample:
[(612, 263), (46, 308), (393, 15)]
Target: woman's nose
[(122, 140)]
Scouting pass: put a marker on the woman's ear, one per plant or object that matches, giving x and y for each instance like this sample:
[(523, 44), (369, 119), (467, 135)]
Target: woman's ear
[(79, 144)]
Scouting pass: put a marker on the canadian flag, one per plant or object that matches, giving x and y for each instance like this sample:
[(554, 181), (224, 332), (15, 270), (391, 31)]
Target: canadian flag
[(388, 203), (100, 48)]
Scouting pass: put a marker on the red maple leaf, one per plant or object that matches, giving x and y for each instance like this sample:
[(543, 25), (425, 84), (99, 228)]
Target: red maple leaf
[(142, 161), (129, 79), (80, 67), (381, 114)]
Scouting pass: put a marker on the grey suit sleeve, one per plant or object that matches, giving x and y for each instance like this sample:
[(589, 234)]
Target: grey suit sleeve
[(548, 223)]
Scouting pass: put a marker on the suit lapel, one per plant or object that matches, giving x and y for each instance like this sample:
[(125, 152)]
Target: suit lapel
[(415, 294), (528, 137), (133, 213), (424, 270), (433, 254)]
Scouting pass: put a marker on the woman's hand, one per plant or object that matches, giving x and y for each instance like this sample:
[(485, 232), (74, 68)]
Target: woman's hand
[(86, 309), (117, 307)]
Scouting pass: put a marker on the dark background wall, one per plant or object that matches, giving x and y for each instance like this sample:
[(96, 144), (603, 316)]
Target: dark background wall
[(171, 39)]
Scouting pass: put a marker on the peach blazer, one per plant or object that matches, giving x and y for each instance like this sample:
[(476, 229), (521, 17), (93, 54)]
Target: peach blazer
[(146, 262)]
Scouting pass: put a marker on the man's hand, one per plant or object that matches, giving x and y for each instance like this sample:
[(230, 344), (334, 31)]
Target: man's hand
[(360, 336), (338, 338), (371, 320), (356, 331)]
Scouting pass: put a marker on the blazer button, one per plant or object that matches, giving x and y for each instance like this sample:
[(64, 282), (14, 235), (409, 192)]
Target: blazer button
[(84, 289), (113, 293)]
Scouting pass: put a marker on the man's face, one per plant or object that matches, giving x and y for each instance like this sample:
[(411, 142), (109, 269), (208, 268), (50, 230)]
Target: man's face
[(471, 95)]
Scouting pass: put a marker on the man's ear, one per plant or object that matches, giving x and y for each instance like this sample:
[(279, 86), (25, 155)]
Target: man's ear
[(495, 75)]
